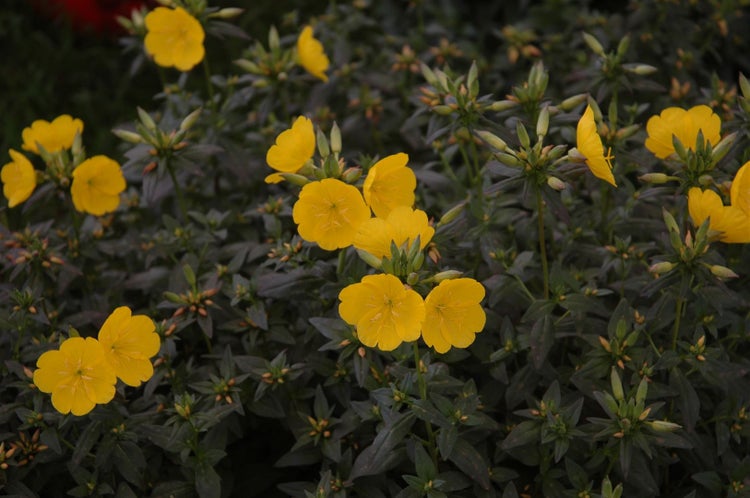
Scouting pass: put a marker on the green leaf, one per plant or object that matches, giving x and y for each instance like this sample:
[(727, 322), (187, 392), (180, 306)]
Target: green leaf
[(380, 455), (687, 399), (525, 433), (446, 438), (129, 460), (423, 463), (207, 481), (542, 338), (470, 462)]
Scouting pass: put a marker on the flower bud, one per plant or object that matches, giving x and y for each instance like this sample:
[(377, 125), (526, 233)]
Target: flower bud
[(371, 260), (146, 119), (492, 140), (663, 425), (442, 110), (722, 271), (555, 183), (656, 178), (190, 120), (452, 214), (335, 139), (128, 136), (639, 69), (593, 44), (572, 102), (226, 13), (542, 123), (446, 275), (502, 105), (351, 175), (661, 267)]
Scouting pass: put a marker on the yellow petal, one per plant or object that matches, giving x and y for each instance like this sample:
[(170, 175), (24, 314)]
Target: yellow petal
[(311, 55), (589, 144)]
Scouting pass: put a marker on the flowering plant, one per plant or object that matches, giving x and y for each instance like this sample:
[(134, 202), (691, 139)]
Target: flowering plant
[(373, 250)]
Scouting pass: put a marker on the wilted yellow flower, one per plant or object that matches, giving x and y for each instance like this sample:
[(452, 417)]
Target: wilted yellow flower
[(389, 183), (128, 343), (385, 311), (293, 148), (77, 375), (311, 55), (402, 226), (19, 179), (683, 124), (732, 223), (454, 314), (329, 213), (97, 184), (53, 137), (589, 144), (174, 38)]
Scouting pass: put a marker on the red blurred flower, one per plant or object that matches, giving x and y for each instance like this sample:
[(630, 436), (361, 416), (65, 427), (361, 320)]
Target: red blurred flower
[(98, 16)]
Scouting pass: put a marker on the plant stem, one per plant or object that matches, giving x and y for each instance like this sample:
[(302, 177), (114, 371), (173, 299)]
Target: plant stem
[(678, 315), (209, 85), (177, 190), (542, 241), (432, 447)]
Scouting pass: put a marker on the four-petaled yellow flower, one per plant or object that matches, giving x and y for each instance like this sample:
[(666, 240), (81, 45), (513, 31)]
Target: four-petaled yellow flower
[(329, 213), (389, 183), (293, 148), (77, 375), (683, 124), (53, 137), (311, 55), (97, 185), (454, 314), (402, 225), (174, 38), (19, 179), (589, 144), (385, 311), (128, 342)]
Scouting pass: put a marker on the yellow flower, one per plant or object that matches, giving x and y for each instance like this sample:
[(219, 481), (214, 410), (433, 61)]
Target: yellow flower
[(311, 55), (385, 311), (740, 190), (683, 124), (589, 144), (54, 136), (97, 184), (174, 38), (732, 223), (77, 375), (293, 148), (128, 343), (329, 213), (389, 183), (402, 226), (19, 179), (454, 314)]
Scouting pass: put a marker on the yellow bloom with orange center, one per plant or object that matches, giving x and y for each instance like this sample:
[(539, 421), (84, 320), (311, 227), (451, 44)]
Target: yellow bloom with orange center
[(454, 314), (128, 342), (77, 375), (384, 311), (683, 124), (311, 55), (293, 148), (388, 184), (19, 179), (402, 227), (174, 38), (589, 144), (731, 222), (51, 136), (329, 212), (97, 185)]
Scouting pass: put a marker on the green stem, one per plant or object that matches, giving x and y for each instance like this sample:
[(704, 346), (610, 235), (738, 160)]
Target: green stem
[(678, 315), (432, 447), (177, 190), (209, 85), (542, 241)]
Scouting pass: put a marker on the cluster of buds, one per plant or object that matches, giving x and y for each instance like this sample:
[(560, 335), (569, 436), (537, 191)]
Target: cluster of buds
[(318, 427), (192, 301), (27, 448), (267, 65), (460, 95), (29, 247), (275, 375), (224, 389)]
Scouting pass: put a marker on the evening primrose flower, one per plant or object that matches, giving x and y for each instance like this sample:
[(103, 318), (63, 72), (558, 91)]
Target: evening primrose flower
[(329, 213), (311, 55), (402, 226), (19, 179), (97, 184), (52, 136), (731, 222), (128, 342), (174, 38), (77, 375), (589, 144), (293, 148), (683, 124), (385, 311), (454, 314), (740, 190), (388, 184)]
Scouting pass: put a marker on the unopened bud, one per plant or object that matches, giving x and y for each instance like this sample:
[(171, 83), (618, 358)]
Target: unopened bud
[(128, 136), (572, 102), (502, 105), (451, 214), (226, 13), (593, 44), (639, 69), (351, 175), (722, 272), (661, 267), (335, 139), (663, 425), (190, 120), (492, 140), (656, 178), (370, 259), (442, 110), (446, 275), (555, 183)]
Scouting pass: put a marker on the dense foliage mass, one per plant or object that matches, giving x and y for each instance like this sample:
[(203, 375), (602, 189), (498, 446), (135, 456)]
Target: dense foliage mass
[(375, 249)]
